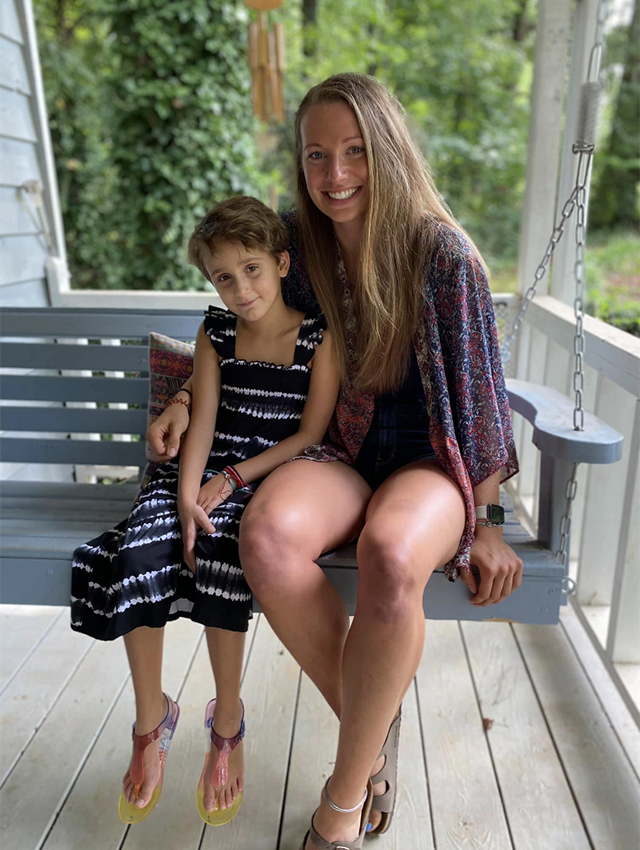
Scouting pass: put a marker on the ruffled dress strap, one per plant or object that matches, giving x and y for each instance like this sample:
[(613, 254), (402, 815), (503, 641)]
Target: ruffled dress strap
[(309, 337), (220, 327)]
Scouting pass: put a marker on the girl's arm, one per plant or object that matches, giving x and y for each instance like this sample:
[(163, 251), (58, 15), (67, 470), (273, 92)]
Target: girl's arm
[(197, 443), (318, 409)]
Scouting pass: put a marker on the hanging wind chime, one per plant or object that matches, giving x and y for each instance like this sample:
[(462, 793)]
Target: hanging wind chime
[(266, 60)]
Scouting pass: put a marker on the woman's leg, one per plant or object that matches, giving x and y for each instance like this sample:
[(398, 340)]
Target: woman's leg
[(226, 651), (303, 509), (414, 524), (144, 649)]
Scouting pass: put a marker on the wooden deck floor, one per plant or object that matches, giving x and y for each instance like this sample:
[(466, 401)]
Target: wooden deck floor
[(512, 738)]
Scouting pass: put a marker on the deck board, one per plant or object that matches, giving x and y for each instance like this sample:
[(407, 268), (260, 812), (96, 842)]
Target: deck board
[(540, 808), (465, 798), (602, 779), (551, 763), (22, 627)]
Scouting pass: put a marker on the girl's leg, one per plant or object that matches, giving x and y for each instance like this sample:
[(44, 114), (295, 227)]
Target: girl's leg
[(226, 651), (302, 510), (144, 649), (414, 524)]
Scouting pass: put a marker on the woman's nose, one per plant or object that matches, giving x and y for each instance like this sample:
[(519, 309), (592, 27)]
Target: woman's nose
[(336, 169)]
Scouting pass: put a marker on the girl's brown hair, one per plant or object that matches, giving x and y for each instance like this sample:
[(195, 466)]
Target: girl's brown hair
[(398, 239), (240, 219)]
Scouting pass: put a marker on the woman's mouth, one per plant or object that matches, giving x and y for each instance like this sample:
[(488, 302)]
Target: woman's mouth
[(343, 196)]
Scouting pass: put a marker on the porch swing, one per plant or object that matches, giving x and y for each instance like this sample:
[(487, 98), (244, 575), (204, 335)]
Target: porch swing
[(41, 523)]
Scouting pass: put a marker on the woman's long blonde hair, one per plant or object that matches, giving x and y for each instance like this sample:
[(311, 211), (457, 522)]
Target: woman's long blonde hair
[(402, 219)]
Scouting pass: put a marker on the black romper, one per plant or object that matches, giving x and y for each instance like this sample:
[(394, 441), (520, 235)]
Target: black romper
[(133, 575)]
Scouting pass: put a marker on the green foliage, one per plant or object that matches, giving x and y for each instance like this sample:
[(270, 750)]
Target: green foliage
[(149, 102), (613, 281), (462, 70)]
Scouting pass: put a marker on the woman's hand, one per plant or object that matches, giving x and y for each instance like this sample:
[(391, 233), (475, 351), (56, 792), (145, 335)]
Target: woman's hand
[(500, 567), (213, 493), (192, 517), (164, 434)]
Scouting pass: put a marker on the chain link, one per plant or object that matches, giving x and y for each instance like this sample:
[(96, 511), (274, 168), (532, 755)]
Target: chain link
[(556, 236), (565, 523)]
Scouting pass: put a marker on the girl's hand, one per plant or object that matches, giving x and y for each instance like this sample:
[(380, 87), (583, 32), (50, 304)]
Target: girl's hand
[(213, 493), (164, 434), (192, 517), (500, 567)]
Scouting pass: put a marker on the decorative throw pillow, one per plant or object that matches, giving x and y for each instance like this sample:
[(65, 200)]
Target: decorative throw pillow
[(170, 364)]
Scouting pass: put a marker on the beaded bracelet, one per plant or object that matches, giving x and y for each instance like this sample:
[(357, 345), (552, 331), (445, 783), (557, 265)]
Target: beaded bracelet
[(235, 479)]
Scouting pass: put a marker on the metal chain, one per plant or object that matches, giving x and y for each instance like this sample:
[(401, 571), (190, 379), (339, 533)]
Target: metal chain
[(578, 309), (565, 523), (556, 236)]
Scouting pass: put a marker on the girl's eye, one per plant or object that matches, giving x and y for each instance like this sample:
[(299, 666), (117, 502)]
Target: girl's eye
[(224, 278)]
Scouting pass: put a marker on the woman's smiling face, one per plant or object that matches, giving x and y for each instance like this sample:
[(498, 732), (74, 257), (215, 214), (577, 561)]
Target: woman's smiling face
[(334, 161)]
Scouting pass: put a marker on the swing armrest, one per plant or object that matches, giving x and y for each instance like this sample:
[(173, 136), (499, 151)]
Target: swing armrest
[(551, 414)]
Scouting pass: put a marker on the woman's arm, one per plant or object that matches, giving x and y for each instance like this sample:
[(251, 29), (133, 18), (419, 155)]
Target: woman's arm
[(197, 443), (500, 567), (318, 409), (164, 434)]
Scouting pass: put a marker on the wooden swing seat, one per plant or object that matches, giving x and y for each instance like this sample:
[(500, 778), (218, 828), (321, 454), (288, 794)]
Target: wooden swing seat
[(42, 522)]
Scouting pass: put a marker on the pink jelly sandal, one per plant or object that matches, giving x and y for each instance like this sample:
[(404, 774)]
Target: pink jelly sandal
[(128, 812), (220, 772)]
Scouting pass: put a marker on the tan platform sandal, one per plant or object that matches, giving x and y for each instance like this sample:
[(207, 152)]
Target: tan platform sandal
[(356, 844), (385, 803)]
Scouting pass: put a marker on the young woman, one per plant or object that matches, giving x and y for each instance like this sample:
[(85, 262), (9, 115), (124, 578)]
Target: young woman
[(421, 437)]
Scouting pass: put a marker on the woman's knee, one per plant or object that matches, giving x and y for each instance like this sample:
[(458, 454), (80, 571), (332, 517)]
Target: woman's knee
[(269, 539), (391, 577)]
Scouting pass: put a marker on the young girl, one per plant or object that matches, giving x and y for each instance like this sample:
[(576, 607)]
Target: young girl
[(264, 387)]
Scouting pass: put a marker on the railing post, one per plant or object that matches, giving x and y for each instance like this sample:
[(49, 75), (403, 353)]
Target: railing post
[(623, 638)]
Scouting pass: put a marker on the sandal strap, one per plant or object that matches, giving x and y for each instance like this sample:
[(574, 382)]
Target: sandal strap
[(225, 746), (388, 772), (141, 742), (322, 844), (338, 809)]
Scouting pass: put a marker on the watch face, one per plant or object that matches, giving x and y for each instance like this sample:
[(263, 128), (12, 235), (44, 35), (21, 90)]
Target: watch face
[(495, 514)]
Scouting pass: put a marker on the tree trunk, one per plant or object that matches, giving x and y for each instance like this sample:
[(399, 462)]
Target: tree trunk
[(309, 20)]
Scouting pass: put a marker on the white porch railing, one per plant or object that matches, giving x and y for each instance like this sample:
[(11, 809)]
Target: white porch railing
[(605, 544)]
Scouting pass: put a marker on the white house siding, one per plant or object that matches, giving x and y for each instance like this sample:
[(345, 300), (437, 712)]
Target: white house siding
[(23, 249)]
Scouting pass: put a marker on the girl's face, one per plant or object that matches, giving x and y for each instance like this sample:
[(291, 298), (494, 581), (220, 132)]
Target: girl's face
[(335, 162), (247, 280)]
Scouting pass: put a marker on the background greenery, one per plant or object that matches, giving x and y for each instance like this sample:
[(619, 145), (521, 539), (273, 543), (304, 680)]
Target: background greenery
[(149, 102)]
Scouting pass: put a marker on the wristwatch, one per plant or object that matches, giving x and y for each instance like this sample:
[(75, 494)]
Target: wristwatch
[(490, 515)]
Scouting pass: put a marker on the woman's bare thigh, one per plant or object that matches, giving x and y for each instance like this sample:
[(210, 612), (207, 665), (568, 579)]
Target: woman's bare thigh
[(319, 505), (421, 510)]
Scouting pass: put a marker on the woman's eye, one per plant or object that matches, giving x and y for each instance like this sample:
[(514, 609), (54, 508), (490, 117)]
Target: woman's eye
[(252, 269), (315, 155), (356, 149)]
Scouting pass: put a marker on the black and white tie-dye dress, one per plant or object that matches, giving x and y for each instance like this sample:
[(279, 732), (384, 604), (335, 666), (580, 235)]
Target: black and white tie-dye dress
[(133, 575)]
